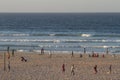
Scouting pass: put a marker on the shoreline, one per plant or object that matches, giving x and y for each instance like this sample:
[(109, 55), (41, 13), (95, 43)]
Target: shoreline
[(54, 52)]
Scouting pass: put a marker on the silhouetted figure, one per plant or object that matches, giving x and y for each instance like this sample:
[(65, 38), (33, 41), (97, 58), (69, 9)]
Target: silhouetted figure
[(63, 68), (42, 51), (84, 50), (9, 65), (72, 54), (110, 68), (107, 51), (8, 52), (23, 59), (95, 69), (8, 49)]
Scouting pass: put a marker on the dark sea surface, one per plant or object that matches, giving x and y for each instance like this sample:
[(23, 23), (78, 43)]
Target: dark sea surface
[(60, 31)]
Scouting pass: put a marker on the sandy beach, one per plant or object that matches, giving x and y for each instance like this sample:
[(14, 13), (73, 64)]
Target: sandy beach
[(42, 67)]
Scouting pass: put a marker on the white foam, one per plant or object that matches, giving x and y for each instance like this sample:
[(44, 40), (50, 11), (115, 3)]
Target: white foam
[(15, 34), (105, 46), (20, 50), (56, 41), (86, 35), (52, 34)]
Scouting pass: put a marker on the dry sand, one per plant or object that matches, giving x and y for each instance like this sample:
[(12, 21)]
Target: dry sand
[(41, 67)]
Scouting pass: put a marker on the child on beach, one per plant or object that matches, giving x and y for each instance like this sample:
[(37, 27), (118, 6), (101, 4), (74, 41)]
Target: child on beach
[(63, 68), (72, 70), (95, 69)]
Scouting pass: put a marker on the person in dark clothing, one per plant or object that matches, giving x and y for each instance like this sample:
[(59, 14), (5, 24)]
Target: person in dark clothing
[(110, 68), (9, 65), (63, 68), (72, 54), (95, 69), (42, 51), (23, 59)]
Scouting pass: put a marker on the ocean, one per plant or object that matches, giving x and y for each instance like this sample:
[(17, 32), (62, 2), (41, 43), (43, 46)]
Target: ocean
[(60, 32)]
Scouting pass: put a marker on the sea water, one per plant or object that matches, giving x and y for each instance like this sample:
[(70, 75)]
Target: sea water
[(60, 31)]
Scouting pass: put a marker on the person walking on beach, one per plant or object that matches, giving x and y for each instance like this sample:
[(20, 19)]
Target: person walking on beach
[(107, 51), (72, 70), (95, 69), (50, 54), (72, 54), (110, 68), (9, 65), (8, 52), (63, 68), (84, 50), (42, 51)]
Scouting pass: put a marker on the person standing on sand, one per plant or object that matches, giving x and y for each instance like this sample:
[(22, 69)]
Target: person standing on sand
[(84, 50), (72, 70), (42, 51), (63, 68), (80, 55), (95, 69), (8, 52), (110, 68), (9, 65), (72, 54), (107, 51), (13, 52), (50, 54)]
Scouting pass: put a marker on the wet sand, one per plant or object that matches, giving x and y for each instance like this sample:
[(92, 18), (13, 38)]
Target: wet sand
[(42, 67)]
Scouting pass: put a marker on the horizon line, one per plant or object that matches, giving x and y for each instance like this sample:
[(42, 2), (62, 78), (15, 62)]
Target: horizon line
[(59, 12)]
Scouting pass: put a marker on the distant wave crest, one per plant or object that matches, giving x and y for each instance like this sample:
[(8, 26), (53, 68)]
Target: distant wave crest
[(60, 41), (59, 34)]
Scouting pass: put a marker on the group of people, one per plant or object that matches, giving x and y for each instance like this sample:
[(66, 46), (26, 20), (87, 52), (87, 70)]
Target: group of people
[(90, 55), (94, 68), (72, 55), (96, 55), (96, 71), (72, 69)]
